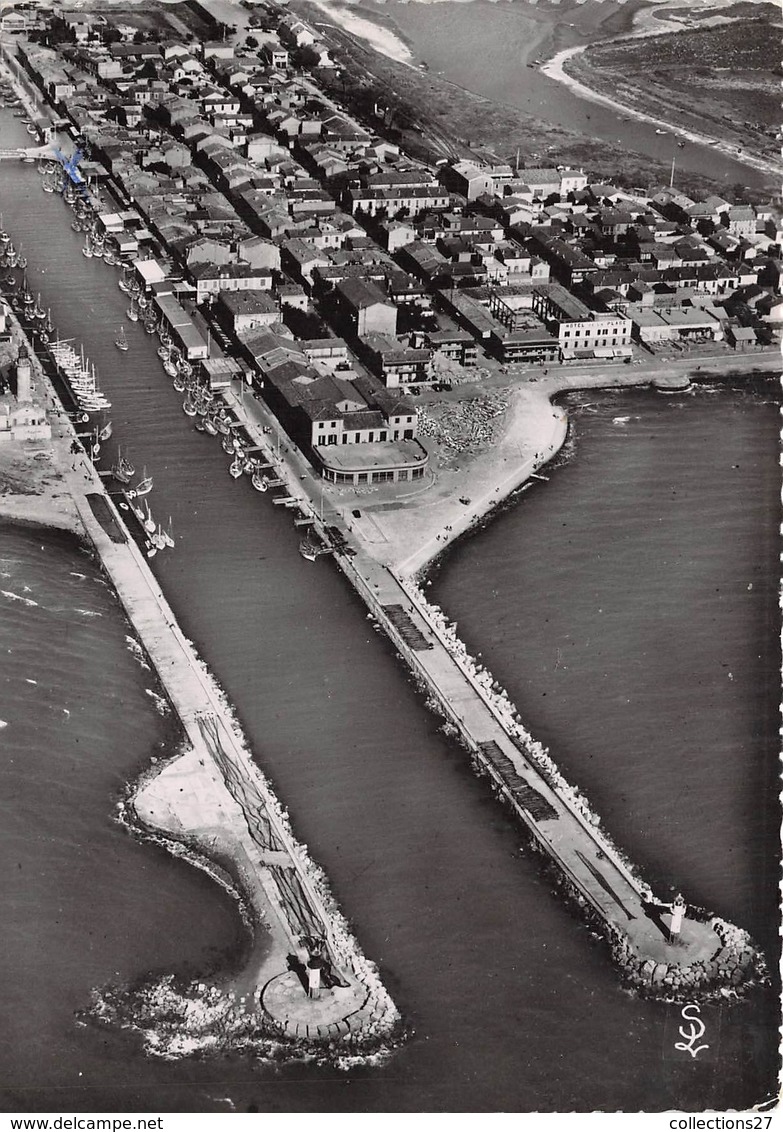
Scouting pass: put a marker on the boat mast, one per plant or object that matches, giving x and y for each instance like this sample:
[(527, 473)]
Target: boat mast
[(671, 179)]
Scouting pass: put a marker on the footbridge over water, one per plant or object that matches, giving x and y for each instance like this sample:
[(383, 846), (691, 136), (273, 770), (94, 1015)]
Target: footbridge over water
[(36, 152)]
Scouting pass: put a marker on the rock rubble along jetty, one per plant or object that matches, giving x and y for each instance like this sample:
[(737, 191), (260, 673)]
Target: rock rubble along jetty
[(690, 952), (666, 950), (306, 981), (693, 953)]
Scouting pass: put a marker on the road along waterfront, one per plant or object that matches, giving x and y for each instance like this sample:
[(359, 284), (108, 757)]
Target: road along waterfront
[(156, 436)]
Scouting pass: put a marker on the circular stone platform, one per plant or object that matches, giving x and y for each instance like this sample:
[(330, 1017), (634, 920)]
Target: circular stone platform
[(671, 382), (286, 1001), (697, 942)]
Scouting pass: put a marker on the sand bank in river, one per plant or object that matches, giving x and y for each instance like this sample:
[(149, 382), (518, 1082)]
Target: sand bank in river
[(556, 68)]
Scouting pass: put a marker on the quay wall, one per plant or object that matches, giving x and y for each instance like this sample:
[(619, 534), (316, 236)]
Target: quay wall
[(725, 957), (214, 790), (580, 825)]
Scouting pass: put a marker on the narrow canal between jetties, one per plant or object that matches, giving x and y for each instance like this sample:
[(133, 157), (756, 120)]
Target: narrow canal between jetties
[(513, 1004)]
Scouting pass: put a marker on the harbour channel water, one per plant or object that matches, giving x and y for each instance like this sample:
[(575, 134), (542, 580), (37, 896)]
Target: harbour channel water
[(511, 1002), (489, 48)]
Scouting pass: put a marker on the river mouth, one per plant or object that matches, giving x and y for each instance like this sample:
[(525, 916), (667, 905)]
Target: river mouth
[(454, 39)]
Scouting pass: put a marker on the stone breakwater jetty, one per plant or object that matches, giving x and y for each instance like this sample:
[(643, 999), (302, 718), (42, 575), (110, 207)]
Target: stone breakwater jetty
[(307, 980), (658, 951)]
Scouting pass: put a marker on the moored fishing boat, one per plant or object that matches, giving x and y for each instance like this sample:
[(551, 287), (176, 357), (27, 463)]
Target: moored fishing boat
[(144, 486), (149, 522), (236, 467), (123, 470), (308, 550), (189, 406), (179, 384), (209, 426), (132, 313), (259, 481)]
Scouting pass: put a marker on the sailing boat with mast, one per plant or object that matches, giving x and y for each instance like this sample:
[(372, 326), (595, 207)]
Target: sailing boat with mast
[(123, 470), (144, 486), (131, 312), (121, 341)]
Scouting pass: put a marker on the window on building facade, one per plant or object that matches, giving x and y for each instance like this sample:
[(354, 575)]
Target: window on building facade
[(417, 473)]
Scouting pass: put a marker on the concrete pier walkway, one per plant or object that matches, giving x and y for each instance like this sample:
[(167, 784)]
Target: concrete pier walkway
[(214, 799), (706, 953)]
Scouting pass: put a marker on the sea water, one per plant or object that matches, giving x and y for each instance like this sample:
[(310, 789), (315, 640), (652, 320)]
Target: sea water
[(510, 1002)]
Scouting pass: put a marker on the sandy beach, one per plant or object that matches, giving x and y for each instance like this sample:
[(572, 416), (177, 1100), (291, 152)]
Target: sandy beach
[(210, 803), (33, 489), (556, 68), (380, 38), (647, 23), (407, 532)]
